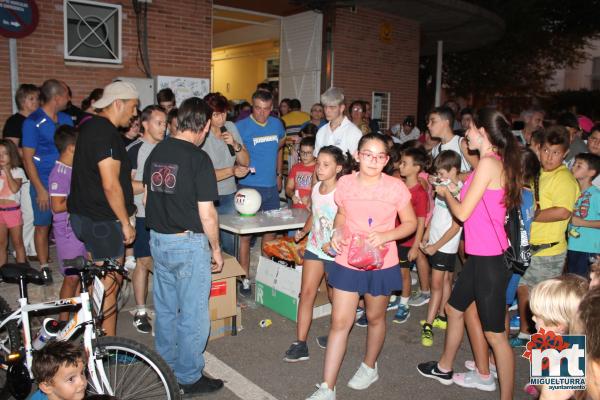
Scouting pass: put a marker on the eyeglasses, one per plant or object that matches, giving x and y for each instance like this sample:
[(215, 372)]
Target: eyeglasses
[(368, 156), (357, 109), (305, 153)]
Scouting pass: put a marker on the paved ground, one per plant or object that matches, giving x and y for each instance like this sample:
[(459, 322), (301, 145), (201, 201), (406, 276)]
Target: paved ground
[(256, 354)]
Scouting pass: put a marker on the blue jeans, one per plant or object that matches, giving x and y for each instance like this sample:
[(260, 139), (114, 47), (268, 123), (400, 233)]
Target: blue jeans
[(182, 278), (226, 206)]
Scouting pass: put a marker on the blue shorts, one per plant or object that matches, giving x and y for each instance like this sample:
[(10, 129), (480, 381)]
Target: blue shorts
[(40, 218), (141, 246), (309, 255), (578, 262), (270, 197), (378, 282), (103, 239)]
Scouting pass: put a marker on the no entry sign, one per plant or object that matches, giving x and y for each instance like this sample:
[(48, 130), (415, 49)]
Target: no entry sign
[(18, 18)]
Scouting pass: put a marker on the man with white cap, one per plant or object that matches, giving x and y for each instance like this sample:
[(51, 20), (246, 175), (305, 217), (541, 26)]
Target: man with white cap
[(101, 198)]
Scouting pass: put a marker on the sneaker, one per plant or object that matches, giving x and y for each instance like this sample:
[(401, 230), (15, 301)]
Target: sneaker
[(364, 377), (359, 312), (323, 393), (362, 321), (393, 303), (141, 322), (298, 351), (470, 365), (515, 322), (427, 335), (431, 370), (47, 275), (473, 379), (419, 299), (514, 306), (402, 314), (519, 340), (202, 385), (440, 322), (245, 288), (322, 341)]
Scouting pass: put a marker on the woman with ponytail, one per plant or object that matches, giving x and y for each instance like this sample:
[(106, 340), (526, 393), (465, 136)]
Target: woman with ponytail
[(492, 188)]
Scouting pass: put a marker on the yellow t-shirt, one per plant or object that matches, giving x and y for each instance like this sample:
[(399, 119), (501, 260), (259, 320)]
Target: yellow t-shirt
[(293, 121), (558, 188)]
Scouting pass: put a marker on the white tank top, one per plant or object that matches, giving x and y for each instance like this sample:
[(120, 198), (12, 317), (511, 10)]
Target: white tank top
[(454, 145)]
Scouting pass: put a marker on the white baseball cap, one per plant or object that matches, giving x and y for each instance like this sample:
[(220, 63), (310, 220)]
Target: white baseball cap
[(120, 90)]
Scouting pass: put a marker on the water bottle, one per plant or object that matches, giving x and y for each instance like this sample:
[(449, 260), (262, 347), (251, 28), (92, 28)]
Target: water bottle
[(48, 331)]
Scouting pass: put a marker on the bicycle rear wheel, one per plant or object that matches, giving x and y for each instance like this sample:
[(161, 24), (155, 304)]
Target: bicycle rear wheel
[(10, 342), (133, 371)]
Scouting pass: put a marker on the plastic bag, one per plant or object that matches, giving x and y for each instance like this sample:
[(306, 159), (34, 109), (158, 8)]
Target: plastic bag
[(287, 249), (362, 255)]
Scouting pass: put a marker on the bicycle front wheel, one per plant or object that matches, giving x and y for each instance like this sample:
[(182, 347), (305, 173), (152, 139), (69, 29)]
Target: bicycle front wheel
[(10, 342), (133, 371)]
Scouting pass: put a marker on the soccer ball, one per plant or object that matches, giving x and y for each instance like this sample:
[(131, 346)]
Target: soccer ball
[(247, 201)]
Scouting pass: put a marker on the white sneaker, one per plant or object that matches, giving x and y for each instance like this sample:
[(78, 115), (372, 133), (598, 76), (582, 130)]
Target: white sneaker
[(323, 393), (364, 377)]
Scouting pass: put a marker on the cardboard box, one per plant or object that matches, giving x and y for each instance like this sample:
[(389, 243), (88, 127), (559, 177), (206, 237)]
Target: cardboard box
[(278, 288), (223, 291), (229, 326)]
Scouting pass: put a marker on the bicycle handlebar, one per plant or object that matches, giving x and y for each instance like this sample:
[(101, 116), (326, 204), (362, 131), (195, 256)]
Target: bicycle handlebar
[(79, 264)]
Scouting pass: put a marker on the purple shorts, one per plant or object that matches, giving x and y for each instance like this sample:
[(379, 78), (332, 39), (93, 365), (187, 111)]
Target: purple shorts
[(67, 244)]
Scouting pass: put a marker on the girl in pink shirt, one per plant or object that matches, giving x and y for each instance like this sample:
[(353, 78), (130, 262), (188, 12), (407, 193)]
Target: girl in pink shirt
[(368, 203), (479, 295)]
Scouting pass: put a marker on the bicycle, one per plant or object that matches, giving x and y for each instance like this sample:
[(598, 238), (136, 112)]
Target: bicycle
[(116, 366)]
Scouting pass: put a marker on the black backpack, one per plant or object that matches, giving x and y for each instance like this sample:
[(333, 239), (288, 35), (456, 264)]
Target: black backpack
[(518, 253)]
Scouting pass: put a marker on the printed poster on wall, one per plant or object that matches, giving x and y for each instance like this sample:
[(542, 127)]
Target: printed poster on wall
[(183, 87)]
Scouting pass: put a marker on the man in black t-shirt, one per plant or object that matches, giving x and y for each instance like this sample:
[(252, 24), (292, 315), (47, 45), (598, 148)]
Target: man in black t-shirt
[(101, 198), (180, 187)]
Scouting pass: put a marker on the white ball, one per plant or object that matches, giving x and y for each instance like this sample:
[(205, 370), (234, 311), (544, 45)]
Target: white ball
[(247, 201)]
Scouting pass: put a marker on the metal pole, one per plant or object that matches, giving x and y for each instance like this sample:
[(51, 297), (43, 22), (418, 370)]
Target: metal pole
[(14, 71), (438, 73)]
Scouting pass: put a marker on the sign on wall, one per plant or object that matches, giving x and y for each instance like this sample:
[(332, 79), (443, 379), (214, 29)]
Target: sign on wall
[(18, 18), (183, 87)]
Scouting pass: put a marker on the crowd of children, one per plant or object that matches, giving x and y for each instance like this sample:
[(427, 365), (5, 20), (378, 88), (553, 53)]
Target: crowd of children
[(476, 180)]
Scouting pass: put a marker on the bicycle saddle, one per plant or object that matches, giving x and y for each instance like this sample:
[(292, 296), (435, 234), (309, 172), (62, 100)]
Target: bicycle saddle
[(11, 273)]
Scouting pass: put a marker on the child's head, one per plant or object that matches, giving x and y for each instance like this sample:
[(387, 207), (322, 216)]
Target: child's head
[(593, 142), (589, 318), (172, 121), (538, 137), (373, 154), (447, 165), (554, 302), (307, 148), (308, 130), (530, 166), (331, 163), (413, 161), (595, 274), (586, 167), (65, 138), (394, 161), (59, 369), (555, 147), (9, 154)]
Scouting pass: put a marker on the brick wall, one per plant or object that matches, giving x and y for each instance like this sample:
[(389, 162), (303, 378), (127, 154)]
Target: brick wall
[(179, 41), (363, 63)]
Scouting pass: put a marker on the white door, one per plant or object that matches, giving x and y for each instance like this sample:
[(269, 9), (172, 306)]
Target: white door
[(300, 58)]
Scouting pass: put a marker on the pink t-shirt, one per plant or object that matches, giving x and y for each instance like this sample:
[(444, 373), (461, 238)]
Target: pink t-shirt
[(480, 238), (375, 205)]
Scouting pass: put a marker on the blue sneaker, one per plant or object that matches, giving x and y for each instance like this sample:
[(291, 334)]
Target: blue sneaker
[(362, 321), (402, 314), (359, 312), (517, 342), (393, 303), (515, 323)]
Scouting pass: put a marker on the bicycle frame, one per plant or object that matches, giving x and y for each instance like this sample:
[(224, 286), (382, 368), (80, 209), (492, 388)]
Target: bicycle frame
[(83, 319)]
